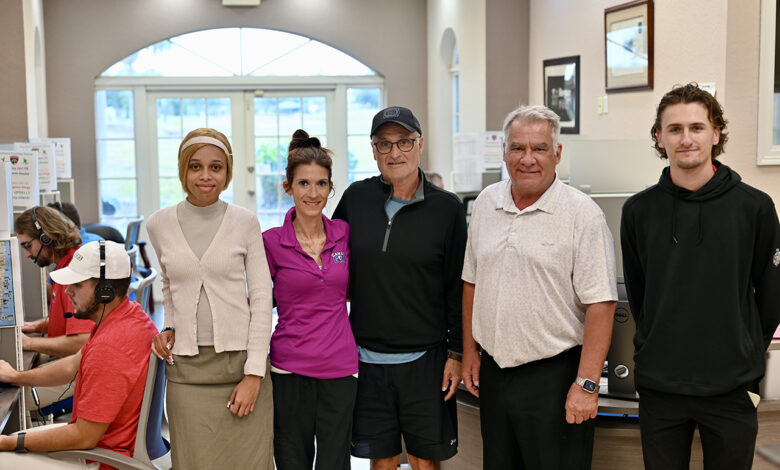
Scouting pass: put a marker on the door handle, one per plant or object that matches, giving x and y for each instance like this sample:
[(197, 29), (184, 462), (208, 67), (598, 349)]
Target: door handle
[(250, 169), (251, 192)]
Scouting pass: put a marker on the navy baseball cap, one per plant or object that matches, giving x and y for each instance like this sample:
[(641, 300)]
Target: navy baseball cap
[(399, 115)]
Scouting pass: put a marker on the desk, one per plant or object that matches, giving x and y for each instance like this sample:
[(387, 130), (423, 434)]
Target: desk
[(10, 397), (617, 443)]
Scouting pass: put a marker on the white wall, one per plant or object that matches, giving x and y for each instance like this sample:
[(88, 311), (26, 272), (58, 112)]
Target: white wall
[(35, 69), (695, 40), (466, 19)]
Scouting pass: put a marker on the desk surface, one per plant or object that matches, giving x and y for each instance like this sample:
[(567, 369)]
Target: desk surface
[(10, 396)]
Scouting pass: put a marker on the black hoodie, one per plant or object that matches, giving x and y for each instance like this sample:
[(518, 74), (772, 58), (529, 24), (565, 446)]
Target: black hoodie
[(703, 282)]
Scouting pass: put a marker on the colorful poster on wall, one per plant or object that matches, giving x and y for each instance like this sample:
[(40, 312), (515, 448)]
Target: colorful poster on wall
[(8, 300), (24, 177), (47, 163), (62, 150)]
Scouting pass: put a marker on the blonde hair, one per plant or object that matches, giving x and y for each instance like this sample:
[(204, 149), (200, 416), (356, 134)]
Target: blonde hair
[(187, 150), (61, 230)]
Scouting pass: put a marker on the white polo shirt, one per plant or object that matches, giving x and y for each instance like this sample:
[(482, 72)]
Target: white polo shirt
[(535, 271)]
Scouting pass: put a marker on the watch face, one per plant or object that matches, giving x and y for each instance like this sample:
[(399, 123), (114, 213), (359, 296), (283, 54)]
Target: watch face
[(589, 386)]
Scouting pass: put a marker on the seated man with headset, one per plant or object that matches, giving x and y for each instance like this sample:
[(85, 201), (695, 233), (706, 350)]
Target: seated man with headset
[(48, 237), (110, 370)]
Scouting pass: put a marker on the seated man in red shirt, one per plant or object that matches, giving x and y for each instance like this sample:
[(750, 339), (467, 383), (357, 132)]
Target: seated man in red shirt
[(47, 237), (111, 367)]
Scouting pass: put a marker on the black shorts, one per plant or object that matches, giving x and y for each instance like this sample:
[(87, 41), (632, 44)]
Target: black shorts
[(405, 399)]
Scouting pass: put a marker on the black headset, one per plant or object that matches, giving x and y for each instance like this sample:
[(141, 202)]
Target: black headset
[(105, 292), (42, 237)]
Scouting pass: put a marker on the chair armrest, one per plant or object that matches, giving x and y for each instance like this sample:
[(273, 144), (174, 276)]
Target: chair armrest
[(109, 457)]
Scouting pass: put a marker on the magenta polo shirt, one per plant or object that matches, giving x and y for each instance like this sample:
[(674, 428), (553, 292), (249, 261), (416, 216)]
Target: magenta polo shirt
[(313, 337)]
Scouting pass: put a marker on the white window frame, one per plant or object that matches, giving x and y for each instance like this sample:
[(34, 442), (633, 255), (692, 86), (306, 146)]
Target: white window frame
[(145, 120), (768, 153)]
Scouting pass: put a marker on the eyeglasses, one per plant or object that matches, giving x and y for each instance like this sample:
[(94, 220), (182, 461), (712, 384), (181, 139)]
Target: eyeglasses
[(385, 146), (27, 245)]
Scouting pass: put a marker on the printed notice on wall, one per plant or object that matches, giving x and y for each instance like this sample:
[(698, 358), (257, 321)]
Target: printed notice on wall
[(47, 163), (62, 152), (467, 162), (492, 150), (24, 177)]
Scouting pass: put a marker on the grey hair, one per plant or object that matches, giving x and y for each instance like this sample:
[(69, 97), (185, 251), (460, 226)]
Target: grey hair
[(535, 113)]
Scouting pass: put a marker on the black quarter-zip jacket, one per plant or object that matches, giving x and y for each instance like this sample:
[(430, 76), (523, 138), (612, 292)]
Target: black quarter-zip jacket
[(703, 282), (405, 285)]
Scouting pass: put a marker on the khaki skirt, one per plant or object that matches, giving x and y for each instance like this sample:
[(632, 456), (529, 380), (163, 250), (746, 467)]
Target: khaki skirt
[(204, 433)]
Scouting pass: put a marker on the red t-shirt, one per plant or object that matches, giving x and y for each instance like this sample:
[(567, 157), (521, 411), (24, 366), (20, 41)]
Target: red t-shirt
[(112, 375), (60, 303)]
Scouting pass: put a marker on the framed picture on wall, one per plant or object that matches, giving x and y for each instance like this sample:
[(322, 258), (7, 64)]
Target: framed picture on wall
[(562, 91), (628, 46)]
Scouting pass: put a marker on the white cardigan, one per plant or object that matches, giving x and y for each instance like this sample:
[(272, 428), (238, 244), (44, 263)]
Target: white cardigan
[(233, 267)]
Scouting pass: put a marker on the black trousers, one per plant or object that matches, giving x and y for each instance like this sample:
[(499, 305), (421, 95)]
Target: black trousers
[(306, 409), (727, 424), (523, 416)]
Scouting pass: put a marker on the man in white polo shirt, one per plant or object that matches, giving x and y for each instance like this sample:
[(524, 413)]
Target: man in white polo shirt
[(539, 296)]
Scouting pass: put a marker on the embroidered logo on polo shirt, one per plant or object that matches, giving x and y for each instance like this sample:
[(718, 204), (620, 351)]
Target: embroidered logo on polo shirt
[(338, 257), (776, 257)]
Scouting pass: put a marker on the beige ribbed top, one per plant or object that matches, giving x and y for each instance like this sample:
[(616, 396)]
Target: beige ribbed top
[(199, 225)]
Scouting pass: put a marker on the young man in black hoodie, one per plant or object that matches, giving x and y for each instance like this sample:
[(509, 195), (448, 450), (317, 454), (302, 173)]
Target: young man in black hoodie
[(701, 251)]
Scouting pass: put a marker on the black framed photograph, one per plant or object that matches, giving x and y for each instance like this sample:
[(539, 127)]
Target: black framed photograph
[(562, 91), (628, 46)]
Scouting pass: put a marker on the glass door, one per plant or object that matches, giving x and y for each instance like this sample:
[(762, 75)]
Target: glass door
[(175, 116), (276, 117)]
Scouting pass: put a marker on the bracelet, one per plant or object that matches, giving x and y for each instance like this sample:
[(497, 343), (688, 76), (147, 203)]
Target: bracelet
[(20, 444), (168, 328), (456, 356)]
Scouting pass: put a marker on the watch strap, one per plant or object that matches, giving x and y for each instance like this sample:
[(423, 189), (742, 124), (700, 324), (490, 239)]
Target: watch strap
[(454, 355), (20, 443)]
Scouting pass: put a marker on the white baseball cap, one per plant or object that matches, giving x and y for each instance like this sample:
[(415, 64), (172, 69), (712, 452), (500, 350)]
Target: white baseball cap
[(86, 264)]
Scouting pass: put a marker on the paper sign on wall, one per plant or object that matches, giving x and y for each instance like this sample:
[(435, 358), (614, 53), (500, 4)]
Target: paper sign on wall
[(62, 151), (24, 177), (492, 150), (47, 163)]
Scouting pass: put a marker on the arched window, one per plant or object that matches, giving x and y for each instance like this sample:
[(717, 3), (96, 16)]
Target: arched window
[(256, 86)]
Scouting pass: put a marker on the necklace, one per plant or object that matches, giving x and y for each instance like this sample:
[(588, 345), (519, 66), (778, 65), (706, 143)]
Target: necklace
[(312, 246)]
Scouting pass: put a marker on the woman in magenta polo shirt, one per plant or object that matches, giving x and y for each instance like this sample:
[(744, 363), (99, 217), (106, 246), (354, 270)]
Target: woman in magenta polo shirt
[(314, 360)]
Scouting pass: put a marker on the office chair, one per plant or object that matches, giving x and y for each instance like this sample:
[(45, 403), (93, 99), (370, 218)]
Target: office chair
[(133, 229), (106, 231), (152, 451), (143, 288)]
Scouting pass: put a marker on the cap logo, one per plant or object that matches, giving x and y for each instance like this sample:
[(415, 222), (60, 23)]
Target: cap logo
[(78, 256), (391, 113), (776, 257)]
